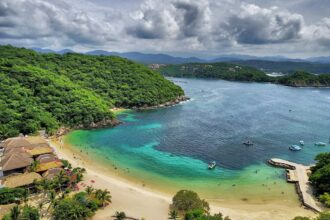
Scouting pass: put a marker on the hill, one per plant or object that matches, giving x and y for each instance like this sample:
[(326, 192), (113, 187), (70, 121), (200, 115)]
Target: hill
[(235, 72), (75, 90)]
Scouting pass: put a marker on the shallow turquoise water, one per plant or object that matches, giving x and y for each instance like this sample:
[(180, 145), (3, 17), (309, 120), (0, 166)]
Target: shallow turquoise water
[(171, 147)]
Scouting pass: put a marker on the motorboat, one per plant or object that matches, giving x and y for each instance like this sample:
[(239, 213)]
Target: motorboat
[(302, 143), (248, 143), (320, 144), (295, 148), (212, 165)]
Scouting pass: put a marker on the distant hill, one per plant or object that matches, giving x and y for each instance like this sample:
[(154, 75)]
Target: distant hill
[(316, 65), (286, 67), (236, 72), (148, 58)]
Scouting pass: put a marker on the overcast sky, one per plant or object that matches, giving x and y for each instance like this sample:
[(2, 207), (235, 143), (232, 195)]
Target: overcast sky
[(294, 28)]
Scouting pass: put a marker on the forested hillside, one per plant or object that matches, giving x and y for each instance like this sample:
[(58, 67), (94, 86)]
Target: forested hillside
[(48, 90), (235, 72)]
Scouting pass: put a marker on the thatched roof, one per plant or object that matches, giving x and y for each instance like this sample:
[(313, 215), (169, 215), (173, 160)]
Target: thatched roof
[(17, 150), (51, 173), (46, 158), (16, 142), (35, 151), (46, 166), (21, 180), (15, 161)]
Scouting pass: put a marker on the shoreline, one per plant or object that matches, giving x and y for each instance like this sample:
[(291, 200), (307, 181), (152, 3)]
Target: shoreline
[(127, 195)]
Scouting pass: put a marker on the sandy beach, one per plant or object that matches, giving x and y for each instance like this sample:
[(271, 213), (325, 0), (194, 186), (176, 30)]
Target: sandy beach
[(139, 201)]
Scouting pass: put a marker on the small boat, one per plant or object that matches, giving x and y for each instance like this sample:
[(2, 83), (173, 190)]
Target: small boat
[(302, 143), (212, 165), (320, 144), (295, 148), (248, 143)]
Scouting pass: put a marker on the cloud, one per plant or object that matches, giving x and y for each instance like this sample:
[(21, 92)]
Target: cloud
[(35, 19), (175, 19), (319, 32), (256, 25)]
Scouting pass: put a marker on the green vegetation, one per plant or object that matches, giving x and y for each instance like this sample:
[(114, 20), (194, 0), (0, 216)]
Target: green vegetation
[(305, 79), (187, 204), (8, 195), (236, 72), (322, 216), (320, 177), (27, 212), (224, 71), (287, 67), (45, 91)]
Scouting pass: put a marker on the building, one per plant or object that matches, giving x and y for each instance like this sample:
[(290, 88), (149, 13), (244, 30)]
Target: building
[(21, 180), (14, 163)]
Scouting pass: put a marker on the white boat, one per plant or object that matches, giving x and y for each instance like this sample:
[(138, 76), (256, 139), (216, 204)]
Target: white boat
[(302, 143), (212, 165), (295, 148), (320, 144)]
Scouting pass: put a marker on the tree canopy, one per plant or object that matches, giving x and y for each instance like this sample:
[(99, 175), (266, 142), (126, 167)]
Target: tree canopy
[(45, 91)]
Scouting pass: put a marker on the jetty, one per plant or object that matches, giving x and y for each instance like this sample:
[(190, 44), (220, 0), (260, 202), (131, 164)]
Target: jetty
[(298, 174)]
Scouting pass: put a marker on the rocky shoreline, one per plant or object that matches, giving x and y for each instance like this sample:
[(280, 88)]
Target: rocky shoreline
[(114, 122), (178, 100)]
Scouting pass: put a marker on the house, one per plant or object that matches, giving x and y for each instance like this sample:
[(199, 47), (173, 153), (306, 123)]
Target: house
[(21, 180), (52, 173), (14, 163), (38, 150)]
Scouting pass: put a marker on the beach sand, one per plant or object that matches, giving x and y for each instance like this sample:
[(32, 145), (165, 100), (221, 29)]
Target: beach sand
[(139, 201)]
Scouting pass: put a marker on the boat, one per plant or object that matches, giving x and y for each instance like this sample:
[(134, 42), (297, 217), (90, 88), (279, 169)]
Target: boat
[(248, 143), (295, 148), (320, 144), (302, 143), (212, 165)]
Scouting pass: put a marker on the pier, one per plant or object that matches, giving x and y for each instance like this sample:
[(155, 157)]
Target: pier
[(297, 173)]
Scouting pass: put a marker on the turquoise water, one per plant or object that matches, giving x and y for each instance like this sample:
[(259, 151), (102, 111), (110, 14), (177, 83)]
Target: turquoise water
[(171, 147)]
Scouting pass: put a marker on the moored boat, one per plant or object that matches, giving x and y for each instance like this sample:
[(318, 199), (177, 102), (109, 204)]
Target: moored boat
[(295, 148), (212, 165), (320, 144), (302, 143), (248, 143)]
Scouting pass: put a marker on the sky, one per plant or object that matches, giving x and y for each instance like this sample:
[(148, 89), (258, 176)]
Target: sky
[(203, 28)]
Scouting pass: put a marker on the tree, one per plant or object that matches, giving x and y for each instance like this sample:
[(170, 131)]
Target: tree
[(320, 177), (89, 190), (70, 209), (9, 195), (185, 201), (173, 214), (15, 212), (103, 196), (30, 213), (120, 215)]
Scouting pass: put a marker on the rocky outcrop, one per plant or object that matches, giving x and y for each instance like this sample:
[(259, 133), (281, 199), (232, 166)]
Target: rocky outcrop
[(166, 104)]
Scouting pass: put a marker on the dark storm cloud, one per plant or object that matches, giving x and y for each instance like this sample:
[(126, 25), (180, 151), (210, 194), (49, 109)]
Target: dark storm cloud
[(33, 19), (255, 25), (172, 25)]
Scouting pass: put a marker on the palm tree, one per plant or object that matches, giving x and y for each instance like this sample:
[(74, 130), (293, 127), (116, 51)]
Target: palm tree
[(25, 195), (173, 214), (103, 196), (89, 190), (52, 197), (14, 212), (120, 215)]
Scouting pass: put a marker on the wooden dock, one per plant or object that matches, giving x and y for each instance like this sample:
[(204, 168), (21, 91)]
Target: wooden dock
[(297, 173)]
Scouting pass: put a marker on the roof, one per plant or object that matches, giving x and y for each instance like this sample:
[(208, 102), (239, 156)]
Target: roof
[(35, 151), (21, 180), (45, 158), (16, 142), (51, 173), (15, 161), (49, 165), (17, 150)]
